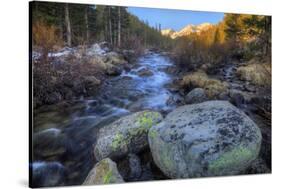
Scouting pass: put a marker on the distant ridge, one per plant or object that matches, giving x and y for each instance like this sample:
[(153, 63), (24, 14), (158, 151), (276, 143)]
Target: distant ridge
[(187, 30)]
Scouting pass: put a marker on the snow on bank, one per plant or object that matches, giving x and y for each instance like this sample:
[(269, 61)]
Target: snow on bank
[(97, 49), (63, 52)]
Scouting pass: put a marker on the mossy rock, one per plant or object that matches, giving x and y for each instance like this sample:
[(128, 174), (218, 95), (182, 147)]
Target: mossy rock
[(104, 172), (126, 135)]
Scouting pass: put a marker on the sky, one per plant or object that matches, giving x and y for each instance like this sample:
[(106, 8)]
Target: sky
[(175, 19)]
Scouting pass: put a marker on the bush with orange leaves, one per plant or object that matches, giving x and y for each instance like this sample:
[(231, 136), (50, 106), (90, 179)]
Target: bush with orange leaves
[(45, 37)]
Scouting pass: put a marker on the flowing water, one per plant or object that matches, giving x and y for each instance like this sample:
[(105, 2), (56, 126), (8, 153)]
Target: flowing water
[(64, 134)]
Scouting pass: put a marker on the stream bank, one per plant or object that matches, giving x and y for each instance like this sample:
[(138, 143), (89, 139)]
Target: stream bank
[(66, 133)]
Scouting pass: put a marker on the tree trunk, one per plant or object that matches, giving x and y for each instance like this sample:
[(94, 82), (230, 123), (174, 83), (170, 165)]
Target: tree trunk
[(67, 24), (119, 26), (267, 34), (61, 25), (87, 24), (110, 26)]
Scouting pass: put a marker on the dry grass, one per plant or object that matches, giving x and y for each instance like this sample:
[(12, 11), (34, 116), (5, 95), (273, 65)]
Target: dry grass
[(256, 73), (200, 79)]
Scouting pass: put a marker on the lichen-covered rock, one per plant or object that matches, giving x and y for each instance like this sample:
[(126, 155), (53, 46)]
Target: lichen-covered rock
[(197, 95), (104, 172), (206, 139), (127, 134)]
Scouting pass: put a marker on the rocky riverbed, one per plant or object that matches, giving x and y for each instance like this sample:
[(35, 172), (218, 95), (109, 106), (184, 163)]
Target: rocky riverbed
[(139, 126)]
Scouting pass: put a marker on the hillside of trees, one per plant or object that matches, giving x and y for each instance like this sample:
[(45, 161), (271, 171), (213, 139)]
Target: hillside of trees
[(79, 24), (237, 37)]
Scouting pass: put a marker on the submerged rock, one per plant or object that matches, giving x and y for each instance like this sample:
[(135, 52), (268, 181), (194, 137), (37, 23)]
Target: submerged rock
[(127, 134), (197, 95), (145, 72), (104, 172), (207, 139), (47, 174), (49, 142)]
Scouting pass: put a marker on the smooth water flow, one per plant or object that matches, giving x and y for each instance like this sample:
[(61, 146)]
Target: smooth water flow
[(64, 134)]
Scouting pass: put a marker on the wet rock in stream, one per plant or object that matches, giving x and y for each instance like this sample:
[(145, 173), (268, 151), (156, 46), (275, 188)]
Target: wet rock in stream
[(128, 134)]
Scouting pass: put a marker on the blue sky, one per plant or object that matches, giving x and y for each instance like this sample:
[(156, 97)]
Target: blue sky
[(175, 19)]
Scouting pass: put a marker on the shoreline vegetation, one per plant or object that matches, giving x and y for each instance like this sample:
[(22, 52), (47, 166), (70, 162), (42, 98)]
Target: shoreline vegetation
[(116, 100)]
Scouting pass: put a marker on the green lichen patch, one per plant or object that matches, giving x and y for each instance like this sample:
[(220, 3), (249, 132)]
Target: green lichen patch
[(142, 122), (119, 140), (231, 159), (107, 177), (152, 134), (147, 119)]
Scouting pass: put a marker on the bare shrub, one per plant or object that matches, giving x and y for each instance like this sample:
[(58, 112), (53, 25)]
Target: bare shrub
[(63, 81)]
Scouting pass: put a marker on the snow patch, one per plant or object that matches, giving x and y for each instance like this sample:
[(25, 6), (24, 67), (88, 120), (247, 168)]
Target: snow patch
[(95, 49)]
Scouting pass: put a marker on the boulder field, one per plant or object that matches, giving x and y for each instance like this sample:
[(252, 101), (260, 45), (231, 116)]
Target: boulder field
[(213, 138)]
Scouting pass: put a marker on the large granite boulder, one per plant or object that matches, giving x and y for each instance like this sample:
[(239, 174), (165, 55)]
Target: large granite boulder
[(206, 139), (125, 135)]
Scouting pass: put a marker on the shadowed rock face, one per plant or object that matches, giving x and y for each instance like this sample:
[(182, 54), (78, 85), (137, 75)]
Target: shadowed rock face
[(207, 139)]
